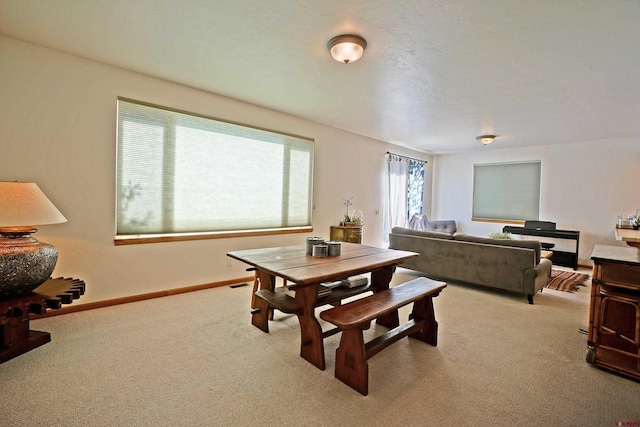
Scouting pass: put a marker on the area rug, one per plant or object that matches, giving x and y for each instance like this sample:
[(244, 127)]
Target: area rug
[(566, 281)]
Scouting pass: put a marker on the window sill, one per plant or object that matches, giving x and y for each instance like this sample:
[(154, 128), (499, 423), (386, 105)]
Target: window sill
[(501, 221), (179, 237)]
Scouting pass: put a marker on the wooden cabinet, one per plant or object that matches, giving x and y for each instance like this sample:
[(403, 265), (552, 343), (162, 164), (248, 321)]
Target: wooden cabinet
[(341, 233), (614, 312)]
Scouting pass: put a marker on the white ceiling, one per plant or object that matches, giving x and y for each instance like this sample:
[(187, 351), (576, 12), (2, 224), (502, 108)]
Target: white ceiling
[(436, 73)]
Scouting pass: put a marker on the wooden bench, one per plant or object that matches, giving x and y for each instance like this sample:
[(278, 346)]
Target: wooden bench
[(279, 300), (266, 301), (353, 318)]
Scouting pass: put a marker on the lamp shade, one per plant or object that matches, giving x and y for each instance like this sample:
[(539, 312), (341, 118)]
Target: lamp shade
[(24, 204), (347, 48)]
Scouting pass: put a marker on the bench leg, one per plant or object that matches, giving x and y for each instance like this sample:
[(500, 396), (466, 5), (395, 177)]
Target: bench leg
[(261, 310), (254, 298), (351, 361), (423, 309), (260, 315)]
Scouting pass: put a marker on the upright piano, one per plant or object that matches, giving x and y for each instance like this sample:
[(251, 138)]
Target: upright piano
[(548, 229)]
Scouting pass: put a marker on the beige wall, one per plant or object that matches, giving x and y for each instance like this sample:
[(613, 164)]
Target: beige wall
[(583, 187), (58, 130)]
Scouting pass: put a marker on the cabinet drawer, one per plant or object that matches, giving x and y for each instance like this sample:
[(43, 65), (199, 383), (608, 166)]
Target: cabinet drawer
[(620, 274)]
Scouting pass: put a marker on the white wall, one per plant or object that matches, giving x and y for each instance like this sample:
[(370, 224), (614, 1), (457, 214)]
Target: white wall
[(58, 130), (583, 187)]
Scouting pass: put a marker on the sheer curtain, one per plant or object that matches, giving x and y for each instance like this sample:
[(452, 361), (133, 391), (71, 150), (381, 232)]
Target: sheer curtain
[(395, 210)]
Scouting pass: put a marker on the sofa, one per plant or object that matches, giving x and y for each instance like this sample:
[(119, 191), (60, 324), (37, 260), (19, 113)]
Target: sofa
[(512, 265)]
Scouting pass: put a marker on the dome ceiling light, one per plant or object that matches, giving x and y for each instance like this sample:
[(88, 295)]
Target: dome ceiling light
[(485, 139), (347, 48)]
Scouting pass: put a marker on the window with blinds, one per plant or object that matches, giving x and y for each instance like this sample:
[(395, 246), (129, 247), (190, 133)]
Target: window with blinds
[(506, 191), (181, 174)]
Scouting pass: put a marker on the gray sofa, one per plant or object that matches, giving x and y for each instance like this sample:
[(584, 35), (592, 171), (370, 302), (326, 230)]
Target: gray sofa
[(512, 265)]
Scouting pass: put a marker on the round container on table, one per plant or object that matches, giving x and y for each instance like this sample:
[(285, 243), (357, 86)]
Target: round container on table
[(311, 242), (320, 251), (334, 248)]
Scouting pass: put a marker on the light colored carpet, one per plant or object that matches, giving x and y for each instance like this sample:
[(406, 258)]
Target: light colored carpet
[(194, 359)]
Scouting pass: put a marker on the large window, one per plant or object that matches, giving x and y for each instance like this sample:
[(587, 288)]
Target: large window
[(181, 175), (415, 187), (506, 191)]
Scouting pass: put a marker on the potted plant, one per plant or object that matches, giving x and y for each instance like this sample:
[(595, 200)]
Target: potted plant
[(353, 219), (499, 235), (636, 223)]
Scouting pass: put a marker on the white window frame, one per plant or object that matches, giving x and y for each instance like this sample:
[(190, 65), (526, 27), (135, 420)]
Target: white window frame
[(186, 176), (506, 192)]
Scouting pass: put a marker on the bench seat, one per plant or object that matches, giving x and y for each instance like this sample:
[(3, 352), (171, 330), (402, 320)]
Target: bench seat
[(266, 300), (279, 300), (355, 317)]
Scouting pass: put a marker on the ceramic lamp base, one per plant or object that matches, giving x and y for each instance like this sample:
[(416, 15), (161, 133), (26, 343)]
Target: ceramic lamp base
[(25, 263)]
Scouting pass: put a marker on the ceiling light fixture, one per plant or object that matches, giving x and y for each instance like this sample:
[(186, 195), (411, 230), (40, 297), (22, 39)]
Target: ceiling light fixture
[(485, 139), (347, 48)]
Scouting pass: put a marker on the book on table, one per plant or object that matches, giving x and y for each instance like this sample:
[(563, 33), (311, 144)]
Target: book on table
[(354, 282), (324, 289)]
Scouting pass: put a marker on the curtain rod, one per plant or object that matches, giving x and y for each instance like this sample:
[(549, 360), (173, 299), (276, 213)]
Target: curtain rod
[(406, 157)]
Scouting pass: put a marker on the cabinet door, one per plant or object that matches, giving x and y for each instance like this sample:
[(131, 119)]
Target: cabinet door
[(617, 335), (346, 234), (354, 234), (336, 234)]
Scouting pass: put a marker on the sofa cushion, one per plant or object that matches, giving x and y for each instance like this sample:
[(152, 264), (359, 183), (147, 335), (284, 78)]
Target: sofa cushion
[(443, 226), (432, 234), (518, 243)]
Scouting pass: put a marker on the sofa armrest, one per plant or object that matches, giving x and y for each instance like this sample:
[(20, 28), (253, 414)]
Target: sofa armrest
[(543, 272), (544, 267)]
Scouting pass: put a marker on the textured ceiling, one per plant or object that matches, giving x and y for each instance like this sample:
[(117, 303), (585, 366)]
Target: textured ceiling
[(436, 73)]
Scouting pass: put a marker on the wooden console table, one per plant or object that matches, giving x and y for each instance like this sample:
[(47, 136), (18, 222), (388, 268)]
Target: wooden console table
[(15, 336)]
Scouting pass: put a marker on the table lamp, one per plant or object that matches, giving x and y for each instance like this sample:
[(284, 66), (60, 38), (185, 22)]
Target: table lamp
[(25, 263)]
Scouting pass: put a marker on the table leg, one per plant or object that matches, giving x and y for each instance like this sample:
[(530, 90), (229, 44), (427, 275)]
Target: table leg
[(311, 344), (380, 280), (260, 313)]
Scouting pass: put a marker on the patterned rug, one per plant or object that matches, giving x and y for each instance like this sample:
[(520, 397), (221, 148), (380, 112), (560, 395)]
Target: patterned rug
[(566, 281)]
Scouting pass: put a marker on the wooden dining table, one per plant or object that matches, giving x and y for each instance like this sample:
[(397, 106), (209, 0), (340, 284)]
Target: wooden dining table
[(307, 272)]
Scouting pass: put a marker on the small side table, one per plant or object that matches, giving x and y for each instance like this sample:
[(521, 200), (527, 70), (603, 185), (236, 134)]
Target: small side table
[(343, 233), (15, 336)]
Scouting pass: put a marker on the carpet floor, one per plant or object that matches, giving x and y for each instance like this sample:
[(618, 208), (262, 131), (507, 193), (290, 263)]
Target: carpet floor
[(195, 360)]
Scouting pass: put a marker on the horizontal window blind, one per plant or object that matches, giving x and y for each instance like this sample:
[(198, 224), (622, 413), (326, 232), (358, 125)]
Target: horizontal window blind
[(507, 191), (185, 173)]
